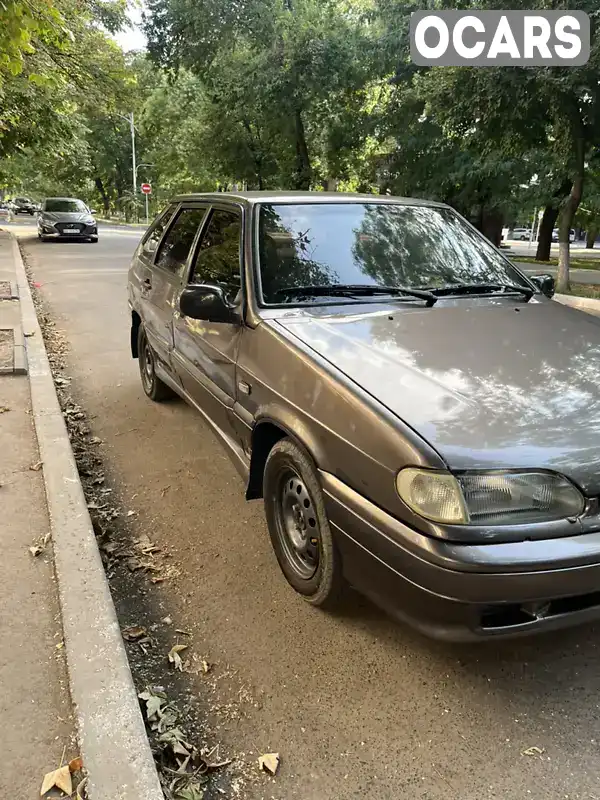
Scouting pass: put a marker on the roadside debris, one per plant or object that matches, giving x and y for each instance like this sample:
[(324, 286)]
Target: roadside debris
[(175, 658), (134, 633), (37, 466), (183, 769), (4, 409), (269, 762), (533, 751), (59, 778), (37, 549)]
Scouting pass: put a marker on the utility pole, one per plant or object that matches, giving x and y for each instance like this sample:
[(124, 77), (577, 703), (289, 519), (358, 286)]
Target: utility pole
[(132, 124)]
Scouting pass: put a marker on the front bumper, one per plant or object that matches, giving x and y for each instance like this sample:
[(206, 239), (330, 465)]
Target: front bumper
[(83, 232), (462, 592)]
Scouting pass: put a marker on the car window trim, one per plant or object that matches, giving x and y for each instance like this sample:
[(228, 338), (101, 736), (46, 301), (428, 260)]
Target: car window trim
[(220, 206), (181, 207), (148, 233)]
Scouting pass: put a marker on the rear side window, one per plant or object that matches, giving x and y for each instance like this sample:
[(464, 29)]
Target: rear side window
[(150, 243), (176, 246), (218, 259)]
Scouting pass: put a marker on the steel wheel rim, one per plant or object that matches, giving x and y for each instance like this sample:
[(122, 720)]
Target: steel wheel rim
[(297, 525), (147, 367)]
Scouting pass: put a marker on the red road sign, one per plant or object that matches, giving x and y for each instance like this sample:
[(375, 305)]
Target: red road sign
[(146, 188)]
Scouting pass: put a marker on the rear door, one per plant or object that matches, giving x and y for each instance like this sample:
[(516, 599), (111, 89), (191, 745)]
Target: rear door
[(162, 284), (205, 352)]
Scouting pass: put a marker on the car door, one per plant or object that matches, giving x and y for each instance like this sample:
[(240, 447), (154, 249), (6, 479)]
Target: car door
[(163, 281), (205, 352)]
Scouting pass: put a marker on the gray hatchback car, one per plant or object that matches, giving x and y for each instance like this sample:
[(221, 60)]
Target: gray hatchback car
[(420, 419)]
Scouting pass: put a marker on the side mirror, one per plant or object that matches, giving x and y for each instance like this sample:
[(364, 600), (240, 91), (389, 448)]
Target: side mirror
[(93, 211), (545, 283), (207, 303)]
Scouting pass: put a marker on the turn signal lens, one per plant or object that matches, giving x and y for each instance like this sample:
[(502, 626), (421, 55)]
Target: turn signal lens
[(433, 495)]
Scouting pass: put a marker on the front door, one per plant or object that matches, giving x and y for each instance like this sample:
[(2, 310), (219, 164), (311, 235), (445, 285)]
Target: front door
[(205, 352)]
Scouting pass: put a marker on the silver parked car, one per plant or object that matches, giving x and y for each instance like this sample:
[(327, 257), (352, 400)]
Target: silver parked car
[(66, 218)]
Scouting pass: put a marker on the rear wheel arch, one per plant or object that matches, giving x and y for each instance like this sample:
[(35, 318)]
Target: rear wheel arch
[(136, 321)]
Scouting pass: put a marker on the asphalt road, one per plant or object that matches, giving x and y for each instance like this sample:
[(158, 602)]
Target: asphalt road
[(357, 705)]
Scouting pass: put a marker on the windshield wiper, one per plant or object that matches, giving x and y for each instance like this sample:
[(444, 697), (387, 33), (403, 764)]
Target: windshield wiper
[(481, 288), (359, 289)]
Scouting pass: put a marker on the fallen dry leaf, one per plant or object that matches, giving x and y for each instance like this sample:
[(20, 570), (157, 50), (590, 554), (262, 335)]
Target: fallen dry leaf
[(269, 762), (4, 409), (28, 334), (134, 632), (174, 656), (81, 789), (533, 751), (76, 764), (37, 466), (61, 778), (36, 550), (206, 667)]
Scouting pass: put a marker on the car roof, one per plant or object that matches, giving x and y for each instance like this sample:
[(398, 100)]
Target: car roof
[(76, 199), (279, 197)]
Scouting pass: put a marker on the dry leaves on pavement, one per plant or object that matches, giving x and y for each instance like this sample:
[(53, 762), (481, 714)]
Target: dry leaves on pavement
[(269, 762), (59, 778), (134, 633), (175, 658)]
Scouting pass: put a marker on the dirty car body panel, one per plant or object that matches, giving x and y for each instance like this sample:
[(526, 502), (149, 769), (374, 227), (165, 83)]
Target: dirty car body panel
[(493, 379)]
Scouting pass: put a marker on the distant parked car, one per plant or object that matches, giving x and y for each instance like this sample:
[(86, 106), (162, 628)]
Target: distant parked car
[(5, 213), (555, 235), (66, 218), (521, 234), (23, 205)]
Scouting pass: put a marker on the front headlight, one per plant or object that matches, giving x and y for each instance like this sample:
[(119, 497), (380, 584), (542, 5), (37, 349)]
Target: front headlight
[(489, 498), (89, 221)]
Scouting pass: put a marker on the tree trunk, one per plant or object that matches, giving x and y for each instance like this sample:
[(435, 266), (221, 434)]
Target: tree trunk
[(303, 169), (549, 221), (545, 233), (491, 226), (590, 237), (103, 195), (566, 219)]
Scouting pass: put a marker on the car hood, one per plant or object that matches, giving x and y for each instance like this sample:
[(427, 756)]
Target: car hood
[(64, 216), (489, 384)]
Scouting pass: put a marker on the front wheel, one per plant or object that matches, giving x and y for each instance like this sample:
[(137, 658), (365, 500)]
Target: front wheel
[(298, 525), (93, 240), (154, 388)]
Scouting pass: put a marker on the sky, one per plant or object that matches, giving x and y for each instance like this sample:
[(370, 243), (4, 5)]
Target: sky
[(132, 38)]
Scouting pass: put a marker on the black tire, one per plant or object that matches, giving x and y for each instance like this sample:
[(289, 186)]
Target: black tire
[(94, 240), (153, 387), (311, 565)]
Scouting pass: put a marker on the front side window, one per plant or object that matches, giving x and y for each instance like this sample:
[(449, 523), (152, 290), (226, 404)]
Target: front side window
[(176, 246), (218, 259), (64, 206), (319, 246)]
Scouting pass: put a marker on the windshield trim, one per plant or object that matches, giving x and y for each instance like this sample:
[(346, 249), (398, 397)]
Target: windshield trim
[(256, 271)]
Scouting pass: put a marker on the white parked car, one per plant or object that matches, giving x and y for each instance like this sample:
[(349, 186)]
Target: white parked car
[(521, 234), (555, 235), (6, 214)]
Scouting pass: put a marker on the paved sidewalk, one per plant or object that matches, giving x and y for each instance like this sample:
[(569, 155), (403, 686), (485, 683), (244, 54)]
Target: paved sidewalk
[(35, 705)]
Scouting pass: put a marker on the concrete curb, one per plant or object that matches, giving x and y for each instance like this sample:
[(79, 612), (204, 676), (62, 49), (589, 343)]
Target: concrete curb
[(582, 303), (113, 739)]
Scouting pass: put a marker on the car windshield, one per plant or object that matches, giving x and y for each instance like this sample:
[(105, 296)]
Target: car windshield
[(322, 245), (67, 206)]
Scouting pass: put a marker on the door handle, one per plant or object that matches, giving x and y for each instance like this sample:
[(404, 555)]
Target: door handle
[(147, 283)]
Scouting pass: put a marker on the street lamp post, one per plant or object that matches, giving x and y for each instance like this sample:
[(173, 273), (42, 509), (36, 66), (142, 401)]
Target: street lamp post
[(130, 119)]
